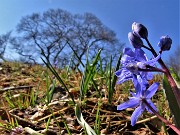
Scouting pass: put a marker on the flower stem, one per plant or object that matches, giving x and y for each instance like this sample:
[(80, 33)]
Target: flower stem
[(151, 69), (162, 118), (146, 47), (171, 81)]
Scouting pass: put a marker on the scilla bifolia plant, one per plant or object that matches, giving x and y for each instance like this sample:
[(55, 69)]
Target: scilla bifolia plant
[(137, 67)]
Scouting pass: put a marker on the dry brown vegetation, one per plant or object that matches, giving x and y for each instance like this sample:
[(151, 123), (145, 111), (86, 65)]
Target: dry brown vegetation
[(23, 97)]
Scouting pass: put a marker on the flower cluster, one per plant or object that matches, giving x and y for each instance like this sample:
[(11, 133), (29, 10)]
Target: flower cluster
[(136, 67), (137, 101)]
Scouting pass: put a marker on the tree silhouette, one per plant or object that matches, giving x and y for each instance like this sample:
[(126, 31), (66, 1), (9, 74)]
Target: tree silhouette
[(61, 36), (4, 39), (174, 61)]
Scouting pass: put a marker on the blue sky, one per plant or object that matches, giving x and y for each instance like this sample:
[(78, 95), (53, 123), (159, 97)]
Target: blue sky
[(161, 17)]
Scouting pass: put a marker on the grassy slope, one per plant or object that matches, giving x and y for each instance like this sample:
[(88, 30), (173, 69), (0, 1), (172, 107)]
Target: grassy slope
[(37, 100)]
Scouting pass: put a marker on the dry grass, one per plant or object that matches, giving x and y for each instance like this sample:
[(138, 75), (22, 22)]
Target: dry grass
[(24, 102)]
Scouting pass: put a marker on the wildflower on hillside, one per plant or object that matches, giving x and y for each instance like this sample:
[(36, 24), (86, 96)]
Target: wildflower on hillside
[(134, 40), (165, 43), (139, 30), (131, 62), (138, 101)]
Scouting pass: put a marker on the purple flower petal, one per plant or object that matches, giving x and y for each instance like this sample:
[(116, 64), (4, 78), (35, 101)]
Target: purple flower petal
[(135, 81), (131, 103), (123, 75), (152, 105), (142, 79), (151, 90), (149, 76), (129, 52), (138, 111), (119, 72), (153, 61), (125, 59), (140, 55), (138, 89), (121, 80), (122, 72), (133, 94)]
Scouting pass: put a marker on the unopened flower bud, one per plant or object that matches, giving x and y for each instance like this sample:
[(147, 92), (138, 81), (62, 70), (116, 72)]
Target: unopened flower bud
[(165, 43), (135, 40), (139, 30)]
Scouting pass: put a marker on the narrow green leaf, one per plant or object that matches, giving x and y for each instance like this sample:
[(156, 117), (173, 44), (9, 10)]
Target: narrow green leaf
[(114, 79), (9, 102), (98, 122), (173, 105), (65, 124), (58, 78), (88, 74), (110, 91), (82, 122), (76, 55), (48, 123)]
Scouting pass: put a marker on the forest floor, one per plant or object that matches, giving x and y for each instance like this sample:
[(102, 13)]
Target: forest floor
[(32, 101)]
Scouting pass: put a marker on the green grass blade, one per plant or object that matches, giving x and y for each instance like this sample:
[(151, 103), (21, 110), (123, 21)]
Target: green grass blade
[(48, 123), (98, 122), (114, 79), (173, 105), (32, 98), (65, 124), (79, 59), (47, 86), (59, 79), (88, 74), (82, 122), (160, 110), (110, 91), (11, 104)]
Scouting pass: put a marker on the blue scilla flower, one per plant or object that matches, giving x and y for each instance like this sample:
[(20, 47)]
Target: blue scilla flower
[(131, 62), (137, 100), (165, 43)]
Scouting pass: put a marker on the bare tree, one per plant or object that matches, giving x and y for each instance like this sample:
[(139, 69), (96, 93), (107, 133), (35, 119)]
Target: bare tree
[(174, 61), (3, 44), (58, 35), (90, 33)]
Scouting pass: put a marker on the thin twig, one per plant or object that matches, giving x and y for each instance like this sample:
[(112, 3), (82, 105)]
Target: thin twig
[(147, 119), (15, 88), (24, 121), (54, 113)]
